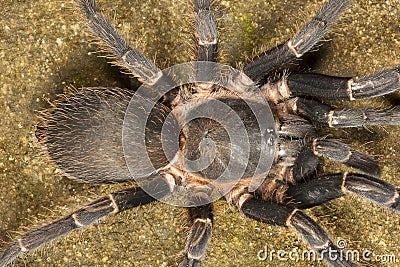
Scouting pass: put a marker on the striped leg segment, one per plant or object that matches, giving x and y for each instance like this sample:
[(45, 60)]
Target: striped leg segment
[(343, 153), (127, 57), (207, 41), (341, 88), (88, 215), (207, 36), (328, 187), (325, 116), (199, 236), (201, 218), (302, 42), (307, 228), (306, 162)]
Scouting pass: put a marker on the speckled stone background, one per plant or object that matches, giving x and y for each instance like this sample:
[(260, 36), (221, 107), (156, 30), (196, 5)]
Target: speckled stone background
[(44, 49)]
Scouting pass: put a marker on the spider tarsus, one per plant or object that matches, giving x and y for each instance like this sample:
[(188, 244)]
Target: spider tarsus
[(202, 5), (395, 203), (10, 253), (190, 263)]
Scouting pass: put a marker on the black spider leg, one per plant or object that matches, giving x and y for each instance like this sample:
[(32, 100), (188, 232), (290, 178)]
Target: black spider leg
[(298, 159), (299, 155), (127, 57), (207, 41), (83, 217), (331, 186), (343, 153), (273, 213), (207, 36), (323, 115), (303, 41), (342, 88), (201, 219), (304, 161)]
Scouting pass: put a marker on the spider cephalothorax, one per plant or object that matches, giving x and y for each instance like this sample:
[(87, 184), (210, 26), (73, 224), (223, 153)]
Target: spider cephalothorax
[(255, 144)]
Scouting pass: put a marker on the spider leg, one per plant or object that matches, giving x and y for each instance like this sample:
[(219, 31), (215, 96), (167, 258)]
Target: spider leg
[(307, 228), (303, 157), (201, 219), (343, 153), (302, 42), (83, 217), (207, 36), (128, 58), (328, 187), (300, 143), (200, 233), (295, 127), (338, 88), (324, 115)]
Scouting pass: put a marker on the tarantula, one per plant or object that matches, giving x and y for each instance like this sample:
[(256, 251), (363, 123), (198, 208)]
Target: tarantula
[(77, 128)]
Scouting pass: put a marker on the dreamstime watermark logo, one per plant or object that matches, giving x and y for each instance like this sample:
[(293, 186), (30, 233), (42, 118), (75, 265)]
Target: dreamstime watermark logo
[(330, 254), (152, 132)]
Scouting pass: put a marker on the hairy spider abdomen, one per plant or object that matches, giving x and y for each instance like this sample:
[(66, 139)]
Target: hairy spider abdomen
[(82, 134)]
